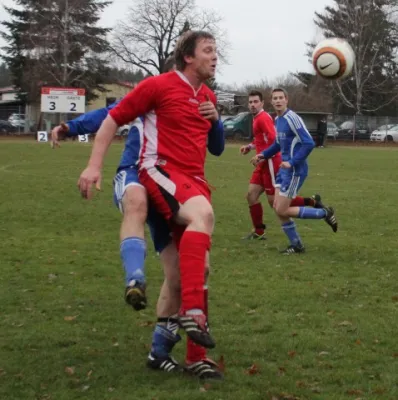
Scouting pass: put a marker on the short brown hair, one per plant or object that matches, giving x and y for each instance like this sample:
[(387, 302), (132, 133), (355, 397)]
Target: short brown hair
[(169, 63), (279, 89), (256, 93), (186, 46)]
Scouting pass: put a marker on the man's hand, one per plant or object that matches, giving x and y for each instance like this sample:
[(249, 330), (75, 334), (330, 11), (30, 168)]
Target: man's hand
[(285, 165), (244, 150), (208, 110), (90, 176), (257, 159), (58, 133)]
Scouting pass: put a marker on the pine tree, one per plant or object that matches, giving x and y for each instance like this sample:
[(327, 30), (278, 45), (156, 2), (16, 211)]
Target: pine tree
[(56, 43), (5, 76)]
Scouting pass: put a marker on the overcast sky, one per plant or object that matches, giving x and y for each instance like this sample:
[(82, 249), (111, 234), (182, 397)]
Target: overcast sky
[(267, 37)]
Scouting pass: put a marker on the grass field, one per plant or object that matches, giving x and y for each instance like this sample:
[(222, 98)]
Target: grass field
[(318, 326)]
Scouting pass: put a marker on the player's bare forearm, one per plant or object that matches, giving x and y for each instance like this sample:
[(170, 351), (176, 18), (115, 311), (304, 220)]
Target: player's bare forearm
[(102, 142)]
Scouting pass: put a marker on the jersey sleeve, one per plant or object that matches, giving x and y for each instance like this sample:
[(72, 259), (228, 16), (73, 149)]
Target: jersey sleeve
[(307, 143), (268, 127), (89, 122), (216, 138), (139, 101)]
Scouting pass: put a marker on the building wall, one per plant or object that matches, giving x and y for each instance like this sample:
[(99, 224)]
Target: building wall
[(114, 91)]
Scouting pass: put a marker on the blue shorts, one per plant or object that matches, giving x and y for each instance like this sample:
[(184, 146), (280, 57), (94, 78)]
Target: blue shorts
[(158, 226), (289, 184)]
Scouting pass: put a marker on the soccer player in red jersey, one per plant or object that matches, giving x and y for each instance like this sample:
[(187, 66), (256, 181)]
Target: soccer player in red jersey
[(263, 177), (179, 111)]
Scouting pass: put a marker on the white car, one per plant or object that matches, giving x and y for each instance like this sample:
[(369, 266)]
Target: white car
[(17, 120), (382, 133), (333, 130)]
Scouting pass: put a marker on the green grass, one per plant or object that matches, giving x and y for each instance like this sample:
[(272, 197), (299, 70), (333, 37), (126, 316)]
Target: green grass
[(316, 326)]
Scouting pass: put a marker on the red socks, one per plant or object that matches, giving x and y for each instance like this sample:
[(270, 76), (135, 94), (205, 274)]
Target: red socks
[(193, 248), (302, 202), (256, 213)]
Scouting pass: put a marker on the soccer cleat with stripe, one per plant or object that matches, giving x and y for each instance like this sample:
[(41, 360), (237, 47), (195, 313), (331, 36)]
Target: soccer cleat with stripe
[(204, 369), (330, 218), (293, 250), (167, 364), (135, 295), (195, 326), (318, 201)]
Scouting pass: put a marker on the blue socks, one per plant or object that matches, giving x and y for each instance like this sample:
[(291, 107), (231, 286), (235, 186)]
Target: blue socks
[(290, 231), (133, 253), (164, 337), (311, 213)]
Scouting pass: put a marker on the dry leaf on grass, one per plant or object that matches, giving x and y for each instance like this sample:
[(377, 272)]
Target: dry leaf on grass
[(253, 370), (345, 323), (281, 371), (354, 392), (221, 364), (70, 370), (147, 323), (292, 354), (205, 387)]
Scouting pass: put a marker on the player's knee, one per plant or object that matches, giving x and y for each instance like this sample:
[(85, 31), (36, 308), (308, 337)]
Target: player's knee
[(252, 197), (281, 210), (198, 214), (135, 204)]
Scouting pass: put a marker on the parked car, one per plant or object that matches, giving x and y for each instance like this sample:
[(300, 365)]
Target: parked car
[(348, 129), (17, 120), (239, 127), (6, 127), (333, 130), (380, 134)]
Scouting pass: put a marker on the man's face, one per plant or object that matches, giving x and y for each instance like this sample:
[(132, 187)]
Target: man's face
[(205, 60), (255, 104), (279, 101)]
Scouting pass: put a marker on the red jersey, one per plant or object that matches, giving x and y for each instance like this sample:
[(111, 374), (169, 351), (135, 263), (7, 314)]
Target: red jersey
[(264, 131), (174, 132)]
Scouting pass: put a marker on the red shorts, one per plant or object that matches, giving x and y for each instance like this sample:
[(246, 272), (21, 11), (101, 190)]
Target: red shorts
[(265, 173), (168, 188)]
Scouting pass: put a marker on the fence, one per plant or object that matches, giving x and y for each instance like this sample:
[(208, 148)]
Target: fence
[(18, 119), (363, 128)]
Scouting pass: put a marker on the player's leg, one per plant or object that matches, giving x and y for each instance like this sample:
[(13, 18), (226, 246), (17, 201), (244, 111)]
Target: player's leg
[(281, 205), (187, 201), (313, 201), (289, 190), (196, 361), (255, 207), (165, 334), (131, 198)]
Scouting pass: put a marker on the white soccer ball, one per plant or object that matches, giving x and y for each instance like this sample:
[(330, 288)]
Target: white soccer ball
[(333, 58)]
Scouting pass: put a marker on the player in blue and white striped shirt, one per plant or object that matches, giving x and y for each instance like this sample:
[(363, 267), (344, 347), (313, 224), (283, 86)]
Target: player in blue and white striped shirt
[(295, 143)]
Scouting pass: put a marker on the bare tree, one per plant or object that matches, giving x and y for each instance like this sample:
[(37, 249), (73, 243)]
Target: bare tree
[(150, 31)]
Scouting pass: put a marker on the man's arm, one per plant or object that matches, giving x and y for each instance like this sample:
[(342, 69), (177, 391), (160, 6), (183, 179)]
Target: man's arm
[(272, 150), (138, 102), (307, 143), (216, 139), (89, 122)]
